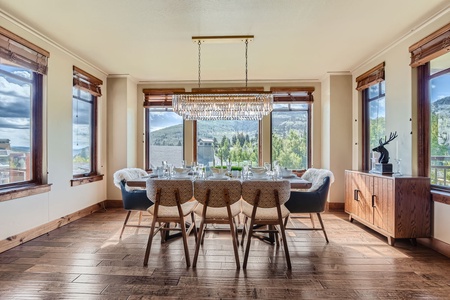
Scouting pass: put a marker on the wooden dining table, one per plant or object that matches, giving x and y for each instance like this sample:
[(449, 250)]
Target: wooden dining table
[(296, 182)]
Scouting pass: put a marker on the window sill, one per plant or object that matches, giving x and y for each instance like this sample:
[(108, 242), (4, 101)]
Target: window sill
[(440, 196), (85, 180), (23, 191)]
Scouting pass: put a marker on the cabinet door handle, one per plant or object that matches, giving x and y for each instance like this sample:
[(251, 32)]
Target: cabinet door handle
[(356, 195), (373, 200)]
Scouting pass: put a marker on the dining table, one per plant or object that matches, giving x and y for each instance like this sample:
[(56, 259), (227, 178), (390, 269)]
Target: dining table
[(296, 182)]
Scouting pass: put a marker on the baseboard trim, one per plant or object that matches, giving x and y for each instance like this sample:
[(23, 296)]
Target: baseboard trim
[(436, 245), (335, 206), (16, 240), (113, 203)]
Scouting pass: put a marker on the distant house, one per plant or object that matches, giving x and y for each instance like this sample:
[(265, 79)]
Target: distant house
[(205, 150), (4, 144)]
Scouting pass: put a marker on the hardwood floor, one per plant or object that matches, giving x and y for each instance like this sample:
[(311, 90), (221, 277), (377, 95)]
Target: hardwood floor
[(86, 260)]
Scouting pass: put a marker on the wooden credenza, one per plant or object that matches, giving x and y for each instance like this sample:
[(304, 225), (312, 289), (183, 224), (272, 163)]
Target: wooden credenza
[(396, 207)]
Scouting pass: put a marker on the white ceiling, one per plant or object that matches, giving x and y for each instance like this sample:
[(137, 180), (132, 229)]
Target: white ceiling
[(294, 40)]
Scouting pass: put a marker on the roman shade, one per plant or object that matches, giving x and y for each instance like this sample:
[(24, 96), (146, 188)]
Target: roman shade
[(430, 47), (159, 97), (23, 52), (371, 77), (293, 94), (86, 82)]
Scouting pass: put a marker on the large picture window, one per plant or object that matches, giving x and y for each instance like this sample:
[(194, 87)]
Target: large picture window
[(290, 135), (432, 59), (375, 117), (222, 141), (86, 90), (165, 136), (22, 66)]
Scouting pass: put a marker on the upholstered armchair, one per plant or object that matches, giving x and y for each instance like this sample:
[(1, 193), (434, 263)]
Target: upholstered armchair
[(134, 199), (312, 200)]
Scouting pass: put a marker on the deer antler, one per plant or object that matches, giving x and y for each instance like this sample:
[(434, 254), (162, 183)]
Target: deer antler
[(392, 136)]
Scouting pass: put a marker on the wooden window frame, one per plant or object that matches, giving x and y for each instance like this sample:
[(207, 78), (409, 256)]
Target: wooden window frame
[(34, 58), (91, 84), (365, 126)]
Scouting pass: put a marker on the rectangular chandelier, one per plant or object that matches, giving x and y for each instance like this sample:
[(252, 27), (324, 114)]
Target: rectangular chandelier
[(240, 105), (223, 106)]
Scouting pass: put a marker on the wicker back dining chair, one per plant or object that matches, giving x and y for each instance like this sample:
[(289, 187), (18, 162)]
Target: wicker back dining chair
[(264, 205), (173, 202), (219, 203)]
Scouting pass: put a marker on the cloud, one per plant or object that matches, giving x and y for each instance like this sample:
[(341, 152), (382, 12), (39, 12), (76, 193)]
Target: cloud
[(15, 123)]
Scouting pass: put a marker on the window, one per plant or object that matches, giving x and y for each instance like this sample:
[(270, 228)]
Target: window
[(165, 133), (431, 56), (290, 135), (84, 123), (164, 129), (372, 86), (221, 141), (438, 82), (375, 114), (291, 127), (22, 66)]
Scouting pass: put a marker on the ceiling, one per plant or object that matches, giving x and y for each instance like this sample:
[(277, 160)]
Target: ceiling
[(150, 40)]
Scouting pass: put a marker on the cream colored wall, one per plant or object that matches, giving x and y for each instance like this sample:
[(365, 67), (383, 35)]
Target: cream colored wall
[(123, 131), (400, 108), (339, 133), (25, 213)]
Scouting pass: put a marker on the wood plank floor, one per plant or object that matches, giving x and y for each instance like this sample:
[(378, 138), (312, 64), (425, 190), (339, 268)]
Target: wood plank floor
[(86, 260)]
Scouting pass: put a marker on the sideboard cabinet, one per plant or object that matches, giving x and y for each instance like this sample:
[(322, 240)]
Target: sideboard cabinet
[(396, 207)]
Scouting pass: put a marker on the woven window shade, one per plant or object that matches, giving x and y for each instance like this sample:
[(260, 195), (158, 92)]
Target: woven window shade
[(293, 94), (22, 52), (430, 47), (159, 97), (86, 82), (371, 77)]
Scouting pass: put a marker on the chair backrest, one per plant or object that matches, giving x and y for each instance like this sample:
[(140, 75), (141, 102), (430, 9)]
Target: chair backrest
[(266, 188), (309, 202), (135, 199), (168, 188), (316, 176), (217, 187), (128, 174)]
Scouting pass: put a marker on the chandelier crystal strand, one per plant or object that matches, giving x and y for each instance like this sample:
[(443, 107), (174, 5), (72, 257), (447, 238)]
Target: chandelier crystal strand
[(223, 106)]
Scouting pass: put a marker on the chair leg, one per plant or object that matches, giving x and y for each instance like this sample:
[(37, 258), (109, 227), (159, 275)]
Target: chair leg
[(235, 241), (125, 223), (286, 250), (244, 227), (186, 249), (197, 245), (195, 227), (312, 220), (150, 240), (323, 228), (249, 239), (140, 218)]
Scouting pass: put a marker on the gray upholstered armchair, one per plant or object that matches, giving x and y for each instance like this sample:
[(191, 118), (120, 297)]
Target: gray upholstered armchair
[(312, 200), (134, 199)]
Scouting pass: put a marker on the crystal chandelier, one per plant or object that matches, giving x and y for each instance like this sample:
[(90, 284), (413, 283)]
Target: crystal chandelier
[(246, 105)]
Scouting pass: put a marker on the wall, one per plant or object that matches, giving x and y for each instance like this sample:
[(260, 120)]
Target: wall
[(25, 213), (401, 115)]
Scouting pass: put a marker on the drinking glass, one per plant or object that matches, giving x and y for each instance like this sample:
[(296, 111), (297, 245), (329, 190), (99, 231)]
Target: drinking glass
[(267, 166)]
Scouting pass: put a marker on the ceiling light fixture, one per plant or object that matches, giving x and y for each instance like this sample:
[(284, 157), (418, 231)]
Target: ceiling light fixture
[(222, 105)]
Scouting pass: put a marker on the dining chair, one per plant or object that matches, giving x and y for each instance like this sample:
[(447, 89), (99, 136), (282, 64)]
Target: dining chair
[(315, 176), (133, 199), (219, 203), (173, 203), (264, 205), (309, 202)]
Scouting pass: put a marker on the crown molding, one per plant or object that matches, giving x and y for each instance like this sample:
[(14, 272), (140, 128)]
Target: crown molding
[(46, 39), (127, 76), (408, 34)]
